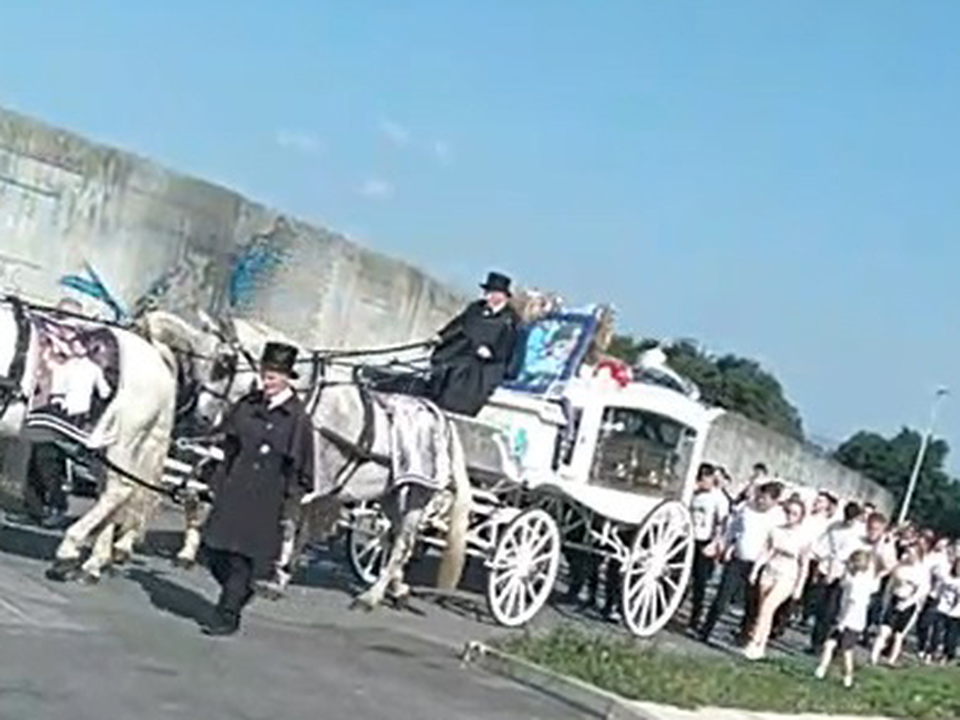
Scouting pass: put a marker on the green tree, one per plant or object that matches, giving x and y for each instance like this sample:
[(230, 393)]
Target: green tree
[(728, 381), (890, 461)]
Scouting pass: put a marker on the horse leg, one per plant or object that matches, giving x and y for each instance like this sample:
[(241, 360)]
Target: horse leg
[(67, 559), (399, 552), (123, 548), (101, 555), (125, 522), (434, 506), (194, 517), (276, 587), (391, 576)]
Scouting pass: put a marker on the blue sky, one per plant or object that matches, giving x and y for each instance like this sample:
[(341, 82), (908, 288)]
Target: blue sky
[(777, 179)]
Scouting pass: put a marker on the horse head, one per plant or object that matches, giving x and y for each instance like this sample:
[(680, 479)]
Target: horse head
[(227, 359), (208, 360)]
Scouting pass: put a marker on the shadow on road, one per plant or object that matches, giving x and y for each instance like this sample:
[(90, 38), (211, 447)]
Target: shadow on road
[(172, 598), (34, 544)]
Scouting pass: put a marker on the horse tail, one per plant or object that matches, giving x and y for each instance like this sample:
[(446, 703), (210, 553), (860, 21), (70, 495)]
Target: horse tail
[(455, 551)]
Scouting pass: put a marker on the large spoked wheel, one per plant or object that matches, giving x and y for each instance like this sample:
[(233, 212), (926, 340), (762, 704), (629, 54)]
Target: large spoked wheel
[(524, 568), (656, 574), (367, 541)]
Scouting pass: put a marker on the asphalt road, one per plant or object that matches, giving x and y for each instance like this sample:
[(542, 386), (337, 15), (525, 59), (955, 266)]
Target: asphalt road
[(131, 648)]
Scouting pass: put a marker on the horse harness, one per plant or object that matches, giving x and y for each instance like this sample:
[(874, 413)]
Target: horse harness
[(360, 452)]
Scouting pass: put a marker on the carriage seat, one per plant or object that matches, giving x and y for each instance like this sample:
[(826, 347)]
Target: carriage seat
[(393, 380)]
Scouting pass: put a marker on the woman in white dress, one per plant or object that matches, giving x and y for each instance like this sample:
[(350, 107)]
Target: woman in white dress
[(779, 574)]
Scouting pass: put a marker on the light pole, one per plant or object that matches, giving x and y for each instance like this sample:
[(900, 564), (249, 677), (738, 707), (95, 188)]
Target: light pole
[(942, 392)]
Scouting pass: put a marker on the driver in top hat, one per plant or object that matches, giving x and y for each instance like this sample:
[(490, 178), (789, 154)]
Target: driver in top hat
[(267, 468), (474, 350)]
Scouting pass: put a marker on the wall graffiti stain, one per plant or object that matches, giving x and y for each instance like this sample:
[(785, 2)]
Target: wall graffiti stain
[(256, 262)]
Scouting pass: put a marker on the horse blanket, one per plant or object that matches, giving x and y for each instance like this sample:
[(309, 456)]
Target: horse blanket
[(419, 441), (76, 377)]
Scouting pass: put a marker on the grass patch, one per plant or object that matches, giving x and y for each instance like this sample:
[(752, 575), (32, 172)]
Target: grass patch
[(783, 686)]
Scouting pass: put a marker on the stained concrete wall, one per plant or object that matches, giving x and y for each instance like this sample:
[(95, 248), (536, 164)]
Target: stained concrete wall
[(187, 244), (736, 443), (190, 244)]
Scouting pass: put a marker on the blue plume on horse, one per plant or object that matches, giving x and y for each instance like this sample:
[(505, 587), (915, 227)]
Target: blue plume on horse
[(94, 287)]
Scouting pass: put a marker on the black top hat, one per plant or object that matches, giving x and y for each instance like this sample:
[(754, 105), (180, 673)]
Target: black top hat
[(281, 358), (497, 282)]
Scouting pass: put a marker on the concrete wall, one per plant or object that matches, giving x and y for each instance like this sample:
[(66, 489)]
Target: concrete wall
[(148, 231), (737, 443), (189, 244)]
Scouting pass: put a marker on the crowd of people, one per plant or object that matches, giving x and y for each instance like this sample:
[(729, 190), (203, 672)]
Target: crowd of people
[(847, 575)]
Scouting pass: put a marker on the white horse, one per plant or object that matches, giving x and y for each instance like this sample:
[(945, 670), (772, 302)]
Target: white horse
[(405, 453), (215, 367), (133, 434)]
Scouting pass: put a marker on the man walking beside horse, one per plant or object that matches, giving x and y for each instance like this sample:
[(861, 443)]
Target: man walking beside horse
[(267, 469)]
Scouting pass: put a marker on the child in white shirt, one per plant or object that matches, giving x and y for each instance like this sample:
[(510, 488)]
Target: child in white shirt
[(910, 583), (858, 585)]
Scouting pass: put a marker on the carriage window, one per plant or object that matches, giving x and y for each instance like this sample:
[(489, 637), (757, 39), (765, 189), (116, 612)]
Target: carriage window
[(641, 451)]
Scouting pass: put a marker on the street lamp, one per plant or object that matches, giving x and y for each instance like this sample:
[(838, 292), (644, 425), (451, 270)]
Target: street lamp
[(942, 392)]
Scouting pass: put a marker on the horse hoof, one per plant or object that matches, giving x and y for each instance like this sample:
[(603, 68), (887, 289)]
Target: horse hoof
[(87, 578), (362, 603), (269, 591), (401, 602), (121, 558), (63, 570), (184, 563)]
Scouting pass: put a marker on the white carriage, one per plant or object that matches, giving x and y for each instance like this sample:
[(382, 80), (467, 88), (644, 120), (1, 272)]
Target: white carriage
[(562, 462)]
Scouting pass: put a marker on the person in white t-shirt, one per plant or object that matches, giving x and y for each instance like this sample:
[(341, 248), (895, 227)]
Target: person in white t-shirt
[(709, 509), (909, 585), (839, 543), (945, 634), (779, 573), (937, 560), (748, 529), (857, 587)]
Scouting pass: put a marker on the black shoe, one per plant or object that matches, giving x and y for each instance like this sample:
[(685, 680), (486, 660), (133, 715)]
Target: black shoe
[(220, 630), (223, 625)]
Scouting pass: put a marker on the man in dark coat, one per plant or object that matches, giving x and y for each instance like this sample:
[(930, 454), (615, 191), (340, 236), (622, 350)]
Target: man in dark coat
[(475, 349), (268, 467)]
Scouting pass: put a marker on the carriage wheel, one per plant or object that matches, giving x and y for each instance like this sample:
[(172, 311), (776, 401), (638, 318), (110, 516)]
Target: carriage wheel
[(367, 543), (656, 574), (523, 568)]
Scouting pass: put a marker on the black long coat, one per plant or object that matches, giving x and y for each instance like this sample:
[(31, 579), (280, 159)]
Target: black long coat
[(267, 468), (462, 380)]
